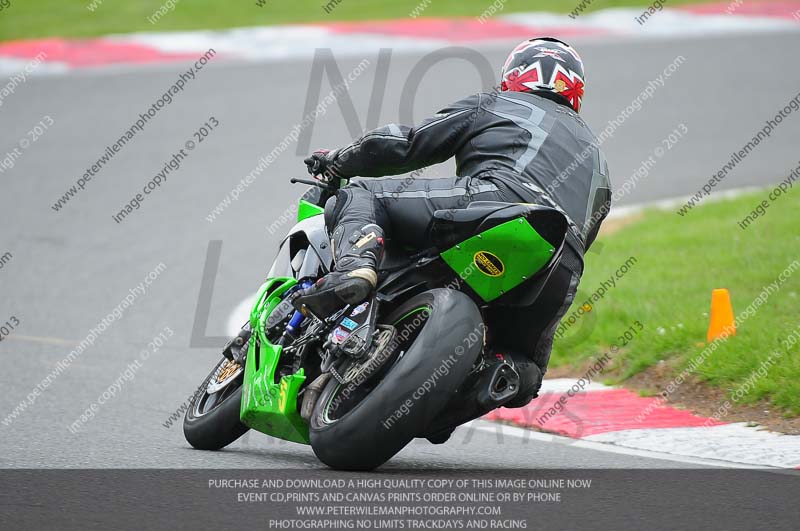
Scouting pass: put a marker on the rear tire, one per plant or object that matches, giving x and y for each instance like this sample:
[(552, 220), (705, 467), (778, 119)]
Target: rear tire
[(218, 427), (373, 430)]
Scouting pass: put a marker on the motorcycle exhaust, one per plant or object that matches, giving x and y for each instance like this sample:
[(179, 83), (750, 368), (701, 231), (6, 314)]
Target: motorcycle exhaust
[(501, 385), (311, 395), (490, 388)]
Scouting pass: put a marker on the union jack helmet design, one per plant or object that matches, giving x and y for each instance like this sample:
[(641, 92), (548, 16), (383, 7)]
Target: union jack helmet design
[(545, 64)]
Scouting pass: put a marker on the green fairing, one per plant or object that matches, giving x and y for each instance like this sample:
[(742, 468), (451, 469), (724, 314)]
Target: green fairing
[(499, 259), (307, 210), (267, 406), (491, 263)]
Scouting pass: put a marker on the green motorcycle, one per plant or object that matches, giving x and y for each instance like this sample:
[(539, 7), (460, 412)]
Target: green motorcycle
[(414, 360)]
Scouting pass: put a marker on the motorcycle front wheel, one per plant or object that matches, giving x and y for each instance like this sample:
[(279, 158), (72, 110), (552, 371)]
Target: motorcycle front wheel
[(212, 418)]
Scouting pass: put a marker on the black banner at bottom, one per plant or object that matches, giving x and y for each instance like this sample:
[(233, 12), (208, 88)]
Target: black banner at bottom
[(443, 499)]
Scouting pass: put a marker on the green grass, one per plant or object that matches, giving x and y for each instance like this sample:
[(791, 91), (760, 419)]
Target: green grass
[(25, 19), (680, 260)]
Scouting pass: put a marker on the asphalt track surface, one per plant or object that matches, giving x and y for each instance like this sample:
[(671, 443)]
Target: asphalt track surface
[(71, 268)]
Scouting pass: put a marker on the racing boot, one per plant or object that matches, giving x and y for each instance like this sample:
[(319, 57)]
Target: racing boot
[(357, 253)]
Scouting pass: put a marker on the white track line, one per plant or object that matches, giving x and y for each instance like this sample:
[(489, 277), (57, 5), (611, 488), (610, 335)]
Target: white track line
[(735, 443), (504, 429), (261, 44), (671, 203)]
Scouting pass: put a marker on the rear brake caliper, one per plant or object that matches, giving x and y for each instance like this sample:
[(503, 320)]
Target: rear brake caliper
[(353, 334)]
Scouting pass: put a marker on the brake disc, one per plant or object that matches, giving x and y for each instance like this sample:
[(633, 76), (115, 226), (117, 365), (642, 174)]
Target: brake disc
[(366, 368), (223, 376)]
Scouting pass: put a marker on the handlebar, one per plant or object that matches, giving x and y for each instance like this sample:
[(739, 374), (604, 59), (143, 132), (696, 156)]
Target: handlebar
[(331, 186), (310, 183)]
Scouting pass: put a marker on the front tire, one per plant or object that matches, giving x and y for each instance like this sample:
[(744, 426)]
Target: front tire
[(425, 368), (212, 420)]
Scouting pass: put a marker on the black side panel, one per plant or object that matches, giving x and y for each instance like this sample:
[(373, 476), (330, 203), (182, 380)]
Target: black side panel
[(454, 225)]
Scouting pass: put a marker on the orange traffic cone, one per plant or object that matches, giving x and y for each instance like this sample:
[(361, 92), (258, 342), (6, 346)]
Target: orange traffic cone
[(722, 323)]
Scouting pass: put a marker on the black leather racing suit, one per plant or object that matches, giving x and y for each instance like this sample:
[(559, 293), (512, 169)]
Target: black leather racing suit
[(509, 146)]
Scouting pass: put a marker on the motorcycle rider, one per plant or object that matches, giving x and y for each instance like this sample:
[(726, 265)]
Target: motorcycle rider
[(525, 143)]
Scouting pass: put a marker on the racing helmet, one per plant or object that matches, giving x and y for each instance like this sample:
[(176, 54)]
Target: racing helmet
[(547, 67)]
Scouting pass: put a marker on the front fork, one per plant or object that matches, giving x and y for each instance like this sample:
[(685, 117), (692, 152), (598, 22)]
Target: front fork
[(297, 318), (236, 349)]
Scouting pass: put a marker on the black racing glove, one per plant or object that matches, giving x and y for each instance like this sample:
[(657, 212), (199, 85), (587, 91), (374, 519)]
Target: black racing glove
[(323, 163)]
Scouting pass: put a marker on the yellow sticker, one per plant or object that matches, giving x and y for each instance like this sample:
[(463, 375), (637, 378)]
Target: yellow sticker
[(489, 264)]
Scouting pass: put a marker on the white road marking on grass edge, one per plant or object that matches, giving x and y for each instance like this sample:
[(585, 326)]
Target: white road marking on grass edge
[(259, 44), (671, 203), (734, 443), (505, 429), (562, 385)]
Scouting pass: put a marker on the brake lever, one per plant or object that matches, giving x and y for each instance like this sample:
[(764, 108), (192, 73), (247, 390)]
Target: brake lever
[(319, 184)]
